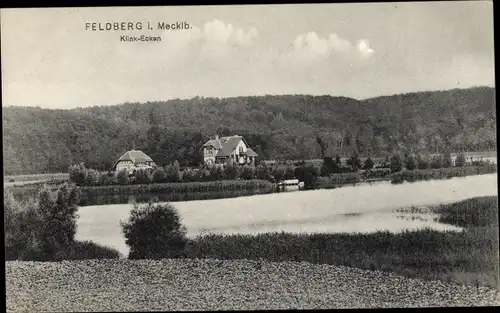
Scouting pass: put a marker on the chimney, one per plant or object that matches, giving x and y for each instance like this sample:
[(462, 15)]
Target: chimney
[(216, 137)]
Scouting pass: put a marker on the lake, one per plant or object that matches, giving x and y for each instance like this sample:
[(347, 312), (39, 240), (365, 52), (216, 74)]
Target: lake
[(348, 209)]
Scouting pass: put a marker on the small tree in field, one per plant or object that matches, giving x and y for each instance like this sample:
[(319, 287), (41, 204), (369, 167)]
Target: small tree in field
[(154, 232)]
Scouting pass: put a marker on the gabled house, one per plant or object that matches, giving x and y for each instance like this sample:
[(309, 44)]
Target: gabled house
[(133, 160), (225, 149)]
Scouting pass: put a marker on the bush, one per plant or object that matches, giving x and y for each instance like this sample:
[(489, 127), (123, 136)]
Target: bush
[(231, 171), (411, 162), (422, 162), (154, 232), (368, 165), (77, 174), (447, 162), (92, 177), (262, 172), (159, 175), (216, 173), (460, 160), (173, 173), (41, 230), (142, 177), (376, 173), (354, 162), (122, 177), (247, 172), (88, 250), (437, 161), (279, 172), (396, 163)]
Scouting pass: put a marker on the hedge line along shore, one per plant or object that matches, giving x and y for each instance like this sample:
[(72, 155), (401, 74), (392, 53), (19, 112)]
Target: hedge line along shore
[(182, 284)]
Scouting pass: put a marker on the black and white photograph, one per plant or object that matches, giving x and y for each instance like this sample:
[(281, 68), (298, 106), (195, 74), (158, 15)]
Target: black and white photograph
[(250, 157)]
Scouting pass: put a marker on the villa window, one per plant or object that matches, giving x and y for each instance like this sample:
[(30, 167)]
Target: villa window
[(241, 150)]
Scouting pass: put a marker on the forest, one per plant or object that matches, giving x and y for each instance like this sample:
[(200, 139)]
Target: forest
[(281, 127)]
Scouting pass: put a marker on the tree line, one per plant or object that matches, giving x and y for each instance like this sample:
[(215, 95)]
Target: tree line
[(287, 127)]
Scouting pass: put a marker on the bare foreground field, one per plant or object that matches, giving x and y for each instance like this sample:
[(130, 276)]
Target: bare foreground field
[(143, 285), (348, 209)]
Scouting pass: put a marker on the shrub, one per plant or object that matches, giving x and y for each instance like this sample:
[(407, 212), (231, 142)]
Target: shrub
[(368, 164), (122, 177), (279, 172), (173, 173), (41, 230), (460, 160), (377, 173), (289, 172), (159, 175), (19, 223), (396, 163), (231, 171), (142, 177), (106, 180), (437, 161), (411, 162), (88, 250), (422, 162), (216, 172), (188, 175), (154, 232), (247, 172), (92, 177), (309, 175), (354, 162), (77, 174), (262, 172), (447, 162)]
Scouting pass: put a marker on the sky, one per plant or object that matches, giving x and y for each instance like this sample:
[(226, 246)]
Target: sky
[(360, 50)]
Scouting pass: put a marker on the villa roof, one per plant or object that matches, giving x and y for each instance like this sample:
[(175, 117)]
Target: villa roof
[(227, 144)]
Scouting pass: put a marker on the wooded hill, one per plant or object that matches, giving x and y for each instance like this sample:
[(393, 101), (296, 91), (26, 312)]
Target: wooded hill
[(276, 127)]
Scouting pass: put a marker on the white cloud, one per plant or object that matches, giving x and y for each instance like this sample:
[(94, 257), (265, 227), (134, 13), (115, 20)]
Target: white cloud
[(311, 46), (217, 31), (364, 48)]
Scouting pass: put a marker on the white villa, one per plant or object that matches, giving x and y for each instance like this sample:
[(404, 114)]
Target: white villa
[(133, 160), (222, 150)]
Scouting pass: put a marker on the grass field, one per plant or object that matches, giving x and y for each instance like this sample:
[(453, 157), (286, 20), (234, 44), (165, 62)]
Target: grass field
[(34, 177), (142, 285)]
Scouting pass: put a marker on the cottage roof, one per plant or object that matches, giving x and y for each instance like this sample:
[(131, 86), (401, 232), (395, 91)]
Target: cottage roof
[(136, 156)]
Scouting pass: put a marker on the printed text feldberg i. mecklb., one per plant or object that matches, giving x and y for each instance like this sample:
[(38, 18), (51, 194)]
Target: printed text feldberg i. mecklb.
[(122, 26)]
